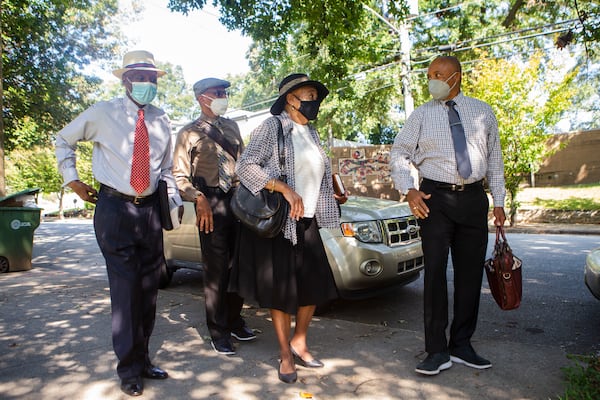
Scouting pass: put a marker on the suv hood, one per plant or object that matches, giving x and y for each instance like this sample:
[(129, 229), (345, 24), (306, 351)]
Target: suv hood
[(369, 208)]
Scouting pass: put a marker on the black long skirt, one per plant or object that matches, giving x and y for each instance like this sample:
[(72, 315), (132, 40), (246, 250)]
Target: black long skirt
[(279, 275)]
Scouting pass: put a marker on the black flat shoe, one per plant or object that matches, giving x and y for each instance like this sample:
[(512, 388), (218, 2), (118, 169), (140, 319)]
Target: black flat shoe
[(314, 363), (132, 387), (152, 372), (286, 378)]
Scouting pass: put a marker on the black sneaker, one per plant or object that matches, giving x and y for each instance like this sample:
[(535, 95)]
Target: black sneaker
[(244, 334), (466, 355), (223, 346), (434, 364)]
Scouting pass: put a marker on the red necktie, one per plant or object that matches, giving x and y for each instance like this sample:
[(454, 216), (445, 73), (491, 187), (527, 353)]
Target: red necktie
[(140, 165)]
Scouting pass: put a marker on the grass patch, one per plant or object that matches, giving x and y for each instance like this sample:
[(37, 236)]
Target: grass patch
[(570, 204), (583, 379)]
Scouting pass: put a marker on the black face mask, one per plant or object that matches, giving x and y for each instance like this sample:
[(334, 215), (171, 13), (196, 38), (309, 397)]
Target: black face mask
[(309, 109)]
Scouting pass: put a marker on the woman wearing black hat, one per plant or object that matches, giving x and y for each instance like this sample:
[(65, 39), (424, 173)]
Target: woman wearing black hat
[(290, 274)]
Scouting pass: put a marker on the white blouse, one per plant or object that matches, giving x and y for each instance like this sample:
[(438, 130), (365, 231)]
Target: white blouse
[(309, 168)]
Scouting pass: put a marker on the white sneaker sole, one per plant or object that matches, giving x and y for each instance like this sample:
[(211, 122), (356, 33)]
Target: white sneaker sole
[(243, 339), (442, 367), (468, 364), (226, 353)]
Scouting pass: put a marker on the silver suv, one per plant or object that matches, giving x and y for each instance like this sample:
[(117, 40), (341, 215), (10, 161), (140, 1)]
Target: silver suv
[(376, 247)]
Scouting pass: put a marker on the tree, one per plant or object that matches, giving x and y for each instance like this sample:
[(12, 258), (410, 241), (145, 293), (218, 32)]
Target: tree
[(358, 57), (526, 107), (45, 45), (36, 167)]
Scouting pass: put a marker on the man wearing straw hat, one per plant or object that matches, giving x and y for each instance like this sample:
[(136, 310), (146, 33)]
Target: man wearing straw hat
[(132, 152)]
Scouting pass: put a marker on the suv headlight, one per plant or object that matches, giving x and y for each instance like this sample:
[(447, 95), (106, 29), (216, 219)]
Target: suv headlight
[(366, 231)]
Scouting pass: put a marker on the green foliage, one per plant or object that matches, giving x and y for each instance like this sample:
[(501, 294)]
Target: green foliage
[(583, 379), (570, 204), (45, 46), (526, 107), (37, 167), (347, 47), (33, 167)]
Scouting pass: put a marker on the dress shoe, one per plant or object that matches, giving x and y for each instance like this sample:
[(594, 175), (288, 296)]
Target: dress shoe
[(314, 363), (286, 378), (132, 386), (152, 372)]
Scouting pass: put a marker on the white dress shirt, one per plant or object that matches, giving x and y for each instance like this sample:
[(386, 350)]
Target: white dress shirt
[(110, 125)]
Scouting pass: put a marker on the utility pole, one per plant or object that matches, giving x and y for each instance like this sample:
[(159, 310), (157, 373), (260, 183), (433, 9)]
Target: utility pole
[(405, 47)]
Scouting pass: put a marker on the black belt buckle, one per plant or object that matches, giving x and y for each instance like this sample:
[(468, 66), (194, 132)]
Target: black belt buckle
[(137, 200), (457, 188)]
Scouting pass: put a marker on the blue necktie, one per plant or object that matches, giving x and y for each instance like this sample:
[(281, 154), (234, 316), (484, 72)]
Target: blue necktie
[(460, 142)]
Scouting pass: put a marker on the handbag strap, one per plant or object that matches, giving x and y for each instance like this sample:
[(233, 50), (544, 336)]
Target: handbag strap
[(500, 232), (281, 149)]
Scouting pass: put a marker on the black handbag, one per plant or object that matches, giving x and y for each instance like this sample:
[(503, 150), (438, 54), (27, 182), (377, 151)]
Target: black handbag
[(266, 213)]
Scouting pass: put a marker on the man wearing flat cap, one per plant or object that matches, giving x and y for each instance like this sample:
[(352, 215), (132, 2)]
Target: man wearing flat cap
[(132, 142), (206, 151)]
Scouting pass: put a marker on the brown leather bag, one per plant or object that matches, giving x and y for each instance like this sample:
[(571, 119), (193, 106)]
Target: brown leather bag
[(503, 271)]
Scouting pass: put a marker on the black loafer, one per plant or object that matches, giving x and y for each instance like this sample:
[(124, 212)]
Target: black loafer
[(132, 387), (152, 372), (314, 363)]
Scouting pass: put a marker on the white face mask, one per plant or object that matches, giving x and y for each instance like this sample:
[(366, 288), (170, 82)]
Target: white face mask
[(440, 90), (219, 106)]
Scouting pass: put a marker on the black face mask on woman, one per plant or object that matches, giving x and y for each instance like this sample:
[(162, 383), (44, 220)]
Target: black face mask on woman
[(309, 109)]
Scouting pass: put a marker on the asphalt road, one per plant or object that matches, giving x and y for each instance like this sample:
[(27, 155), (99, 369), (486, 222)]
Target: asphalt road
[(55, 334), (556, 308)]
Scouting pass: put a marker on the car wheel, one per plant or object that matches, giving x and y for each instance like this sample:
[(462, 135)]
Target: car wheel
[(166, 275), (4, 266)]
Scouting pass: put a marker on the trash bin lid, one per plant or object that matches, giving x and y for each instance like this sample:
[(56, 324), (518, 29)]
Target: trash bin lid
[(12, 198)]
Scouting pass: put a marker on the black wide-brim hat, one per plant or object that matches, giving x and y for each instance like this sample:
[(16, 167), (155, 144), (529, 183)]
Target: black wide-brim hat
[(292, 82)]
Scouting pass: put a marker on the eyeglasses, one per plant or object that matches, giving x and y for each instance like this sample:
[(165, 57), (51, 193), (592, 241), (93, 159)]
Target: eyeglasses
[(218, 93)]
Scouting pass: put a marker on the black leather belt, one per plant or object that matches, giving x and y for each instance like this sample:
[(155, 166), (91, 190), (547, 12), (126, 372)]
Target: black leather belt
[(137, 200), (454, 187)]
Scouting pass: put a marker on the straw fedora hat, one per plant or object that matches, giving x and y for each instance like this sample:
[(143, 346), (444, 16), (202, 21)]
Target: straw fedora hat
[(138, 60), (293, 82)]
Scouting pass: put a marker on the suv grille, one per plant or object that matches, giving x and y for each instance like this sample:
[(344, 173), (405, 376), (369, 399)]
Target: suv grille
[(401, 231)]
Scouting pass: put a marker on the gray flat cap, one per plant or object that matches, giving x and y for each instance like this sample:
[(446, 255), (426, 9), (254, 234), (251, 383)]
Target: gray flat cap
[(202, 85)]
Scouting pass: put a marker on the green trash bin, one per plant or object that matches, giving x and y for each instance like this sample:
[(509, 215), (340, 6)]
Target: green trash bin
[(19, 218)]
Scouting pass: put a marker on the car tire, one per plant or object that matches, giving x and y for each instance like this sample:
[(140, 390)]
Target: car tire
[(4, 265), (166, 275)]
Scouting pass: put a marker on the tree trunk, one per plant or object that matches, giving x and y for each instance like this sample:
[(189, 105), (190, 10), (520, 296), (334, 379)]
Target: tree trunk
[(2, 172), (61, 196)]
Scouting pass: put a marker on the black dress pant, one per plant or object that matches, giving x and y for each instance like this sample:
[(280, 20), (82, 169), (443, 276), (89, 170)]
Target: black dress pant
[(457, 223), (130, 238), (223, 308)]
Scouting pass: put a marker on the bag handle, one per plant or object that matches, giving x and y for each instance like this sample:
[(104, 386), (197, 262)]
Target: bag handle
[(281, 149), (500, 232)]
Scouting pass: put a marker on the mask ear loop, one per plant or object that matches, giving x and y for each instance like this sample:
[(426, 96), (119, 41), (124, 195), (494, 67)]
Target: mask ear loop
[(450, 77)]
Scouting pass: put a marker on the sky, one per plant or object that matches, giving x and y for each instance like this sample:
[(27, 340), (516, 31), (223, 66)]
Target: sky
[(197, 42)]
